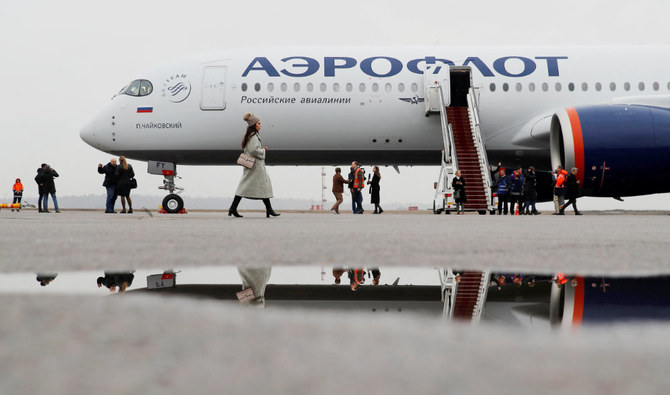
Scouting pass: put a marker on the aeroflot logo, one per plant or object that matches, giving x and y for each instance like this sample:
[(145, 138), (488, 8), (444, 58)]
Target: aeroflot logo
[(384, 66)]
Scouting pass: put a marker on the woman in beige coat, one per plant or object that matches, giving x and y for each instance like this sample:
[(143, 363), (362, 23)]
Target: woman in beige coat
[(255, 182)]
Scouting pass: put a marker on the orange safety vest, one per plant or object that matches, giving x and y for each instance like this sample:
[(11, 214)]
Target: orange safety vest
[(358, 183), (18, 187), (560, 179)]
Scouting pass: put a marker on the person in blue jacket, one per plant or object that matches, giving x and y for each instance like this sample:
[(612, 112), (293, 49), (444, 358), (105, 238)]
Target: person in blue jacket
[(502, 191)]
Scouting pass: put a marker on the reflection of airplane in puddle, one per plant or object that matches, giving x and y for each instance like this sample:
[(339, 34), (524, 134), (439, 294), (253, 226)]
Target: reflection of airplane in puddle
[(521, 299)]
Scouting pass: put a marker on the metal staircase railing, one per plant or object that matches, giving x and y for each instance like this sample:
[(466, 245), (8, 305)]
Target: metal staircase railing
[(473, 111)]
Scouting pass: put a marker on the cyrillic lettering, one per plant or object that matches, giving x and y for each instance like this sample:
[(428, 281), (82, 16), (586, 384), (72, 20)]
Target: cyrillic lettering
[(366, 66), (329, 65), (312, 66), (264, 64), (500, 65), (481, 66), (552, 64)]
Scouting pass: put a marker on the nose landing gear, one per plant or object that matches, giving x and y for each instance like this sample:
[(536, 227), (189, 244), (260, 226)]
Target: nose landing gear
[(172, 203)]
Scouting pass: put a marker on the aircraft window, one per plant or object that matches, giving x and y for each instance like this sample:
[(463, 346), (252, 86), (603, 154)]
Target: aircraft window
[(401, 87), (558, 87), (668, 85), (284, 87), (518, 87), (145, 88), (599, 86), (296, 87), (415, 87), (323, 87), (361, 87), (545, 87), (571, 87), (375, 87), (350, 87), (640, 86), (585, 86), (531, 87), (310, 87), (336, 87), (626, 86), (656, 86), (505, 87), (244, 87), (612, 86), (271, 87), (133, 88), (388, 87), (257, 87), (492, 87)]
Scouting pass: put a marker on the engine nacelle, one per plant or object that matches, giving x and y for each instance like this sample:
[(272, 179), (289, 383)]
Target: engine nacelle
[(620, 150)]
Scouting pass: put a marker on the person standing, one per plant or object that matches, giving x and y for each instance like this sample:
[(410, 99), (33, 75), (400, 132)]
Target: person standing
[(123, 174), (559, 187), (255, 182), (40, 188), (47, 178), (516, 190), (18, 193), (458, 185), (338, 189), (109, 170), (530, 191), (502, 191), (374, 189), (572, 192), (350, 177), (359, 184)]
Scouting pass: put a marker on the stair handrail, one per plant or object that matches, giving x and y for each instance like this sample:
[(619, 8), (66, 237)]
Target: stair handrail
[(447, 133), (479, 144), (481, 297)]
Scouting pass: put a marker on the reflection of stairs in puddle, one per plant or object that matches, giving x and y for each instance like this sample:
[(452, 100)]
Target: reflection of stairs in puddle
[(470, 295), (468, 159)]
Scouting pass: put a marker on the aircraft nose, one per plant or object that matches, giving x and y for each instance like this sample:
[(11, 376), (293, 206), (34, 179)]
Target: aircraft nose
[(88, 134)]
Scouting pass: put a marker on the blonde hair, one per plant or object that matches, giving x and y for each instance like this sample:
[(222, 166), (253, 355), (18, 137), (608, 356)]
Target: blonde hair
[(122, 159)]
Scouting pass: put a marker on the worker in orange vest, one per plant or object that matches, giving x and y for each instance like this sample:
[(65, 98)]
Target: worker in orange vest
[(559, 188), (359, 184), (18, 193)]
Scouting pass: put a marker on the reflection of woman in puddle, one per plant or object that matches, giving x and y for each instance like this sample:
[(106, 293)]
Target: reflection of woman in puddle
[(254, 279)]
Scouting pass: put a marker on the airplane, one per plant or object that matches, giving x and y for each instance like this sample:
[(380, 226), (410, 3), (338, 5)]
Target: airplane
[(602, 109)]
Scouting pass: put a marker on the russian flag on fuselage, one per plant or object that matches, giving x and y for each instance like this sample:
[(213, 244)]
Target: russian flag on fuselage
[(145, 109)]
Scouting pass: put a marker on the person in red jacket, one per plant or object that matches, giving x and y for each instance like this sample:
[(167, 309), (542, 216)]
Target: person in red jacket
[(18, 193)]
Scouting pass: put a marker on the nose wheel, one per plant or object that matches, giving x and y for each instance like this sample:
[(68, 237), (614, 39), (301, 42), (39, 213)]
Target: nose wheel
[(173, 203)]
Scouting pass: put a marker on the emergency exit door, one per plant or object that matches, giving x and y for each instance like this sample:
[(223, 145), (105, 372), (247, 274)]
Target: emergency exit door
[(213, 88)]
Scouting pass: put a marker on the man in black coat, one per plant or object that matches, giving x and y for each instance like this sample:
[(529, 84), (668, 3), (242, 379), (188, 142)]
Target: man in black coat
[(47, 182), (109, 170), (572, 192), (40, 187)]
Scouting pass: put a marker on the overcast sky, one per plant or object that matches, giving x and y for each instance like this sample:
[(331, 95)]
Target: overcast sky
[(62, 61)]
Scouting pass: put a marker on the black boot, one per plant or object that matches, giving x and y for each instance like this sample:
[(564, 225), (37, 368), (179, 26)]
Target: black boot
[(380, 210), (268, 209), (233, 207)]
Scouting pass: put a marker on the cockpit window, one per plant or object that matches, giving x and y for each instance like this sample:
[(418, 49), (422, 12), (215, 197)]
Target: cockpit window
[(137, 88)]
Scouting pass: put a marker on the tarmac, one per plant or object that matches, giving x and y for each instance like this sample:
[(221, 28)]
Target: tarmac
[(91, 240), (127, 344)]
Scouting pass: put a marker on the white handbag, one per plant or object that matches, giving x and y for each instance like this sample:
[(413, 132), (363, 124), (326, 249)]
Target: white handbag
[(246, 161)]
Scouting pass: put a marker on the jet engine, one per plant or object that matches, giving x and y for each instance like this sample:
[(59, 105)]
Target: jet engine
[(620, 150)]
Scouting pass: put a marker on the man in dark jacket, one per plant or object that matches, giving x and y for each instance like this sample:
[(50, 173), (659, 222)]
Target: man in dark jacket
[(49, 186), (530, 191), (572, 192), (40, 187), (109, 170)]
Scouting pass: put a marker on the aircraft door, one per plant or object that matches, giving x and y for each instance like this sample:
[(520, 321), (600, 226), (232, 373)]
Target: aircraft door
[(213, 88)]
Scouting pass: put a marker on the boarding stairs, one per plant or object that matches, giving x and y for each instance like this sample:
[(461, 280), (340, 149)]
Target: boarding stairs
[(454, 98), (464, 294)]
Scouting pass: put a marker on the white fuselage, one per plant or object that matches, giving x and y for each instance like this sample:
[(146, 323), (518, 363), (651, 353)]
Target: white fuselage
[(333, 105)]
